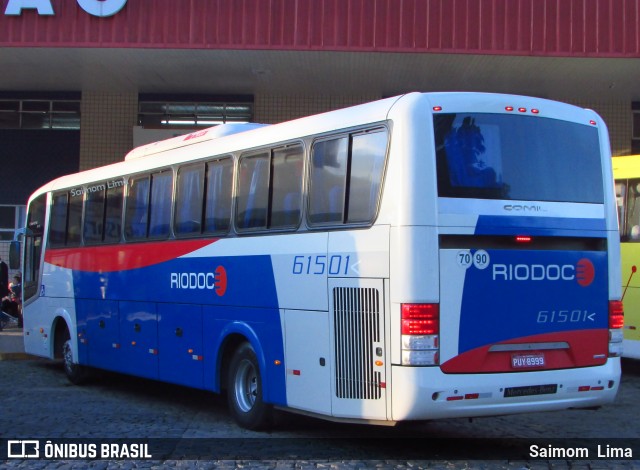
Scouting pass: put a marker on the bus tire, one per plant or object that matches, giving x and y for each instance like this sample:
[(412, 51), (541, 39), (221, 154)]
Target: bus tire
[(74, 371), (244, 391)]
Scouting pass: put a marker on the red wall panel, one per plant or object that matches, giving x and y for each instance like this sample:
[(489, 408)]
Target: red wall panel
[(600, 28)]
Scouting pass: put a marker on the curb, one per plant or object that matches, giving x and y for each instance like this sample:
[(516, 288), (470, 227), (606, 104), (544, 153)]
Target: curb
[(15, 356)]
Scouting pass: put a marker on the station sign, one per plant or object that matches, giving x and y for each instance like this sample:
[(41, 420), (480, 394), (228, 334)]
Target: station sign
[(100, 8)]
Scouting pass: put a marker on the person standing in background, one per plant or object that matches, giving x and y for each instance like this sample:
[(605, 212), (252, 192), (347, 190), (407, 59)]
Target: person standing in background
[(4, 279)]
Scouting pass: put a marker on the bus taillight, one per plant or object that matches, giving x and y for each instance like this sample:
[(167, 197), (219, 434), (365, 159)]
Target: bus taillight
[(420, 334), (616, 323), (616, 314)]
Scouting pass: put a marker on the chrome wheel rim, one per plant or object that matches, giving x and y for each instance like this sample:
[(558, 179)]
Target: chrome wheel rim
[(246, 386)]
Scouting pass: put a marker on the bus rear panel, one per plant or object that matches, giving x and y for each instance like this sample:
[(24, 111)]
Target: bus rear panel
[(524, 315)]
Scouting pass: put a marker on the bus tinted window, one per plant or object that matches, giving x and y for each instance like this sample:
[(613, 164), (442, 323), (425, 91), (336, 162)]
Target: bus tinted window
[(94, 215), (74, 226), (218, 200), (286, 195), (36, 214), (253, 192), (136, 215), (160, 211), (189, 200), (503, 156), (630, 230), (367, 165), (58, 224), (33, 246), (113, 212), (328, 178), (621, 195)]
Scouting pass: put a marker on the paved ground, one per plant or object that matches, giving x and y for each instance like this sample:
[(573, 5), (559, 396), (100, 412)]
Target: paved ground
[(40, 404)]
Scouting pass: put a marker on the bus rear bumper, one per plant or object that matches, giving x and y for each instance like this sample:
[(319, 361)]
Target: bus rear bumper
[(422, 393)]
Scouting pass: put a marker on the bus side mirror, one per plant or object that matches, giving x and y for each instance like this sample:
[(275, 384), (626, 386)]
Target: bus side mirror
[(14, 255)]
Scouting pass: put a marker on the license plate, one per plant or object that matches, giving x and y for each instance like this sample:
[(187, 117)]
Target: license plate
[(527, 361), (530, 390)]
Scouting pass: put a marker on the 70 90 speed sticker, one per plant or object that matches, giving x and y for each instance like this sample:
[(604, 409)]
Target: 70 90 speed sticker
[(479, 258)]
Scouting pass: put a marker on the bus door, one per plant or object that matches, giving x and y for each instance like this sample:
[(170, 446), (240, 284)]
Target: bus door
[(356, 323)]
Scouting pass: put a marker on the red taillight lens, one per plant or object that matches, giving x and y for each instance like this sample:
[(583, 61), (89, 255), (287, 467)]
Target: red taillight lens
[(616, 314), (420, 319)]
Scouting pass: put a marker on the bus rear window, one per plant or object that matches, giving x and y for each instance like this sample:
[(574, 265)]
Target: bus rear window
[(501, 156)]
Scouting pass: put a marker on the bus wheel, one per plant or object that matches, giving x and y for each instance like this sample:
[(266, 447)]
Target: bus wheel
[(244, 390), (74, 371)]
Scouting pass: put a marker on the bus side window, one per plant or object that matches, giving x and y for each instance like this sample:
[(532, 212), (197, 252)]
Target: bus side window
[(367, 164), (74, 223), (632, 230), (137, 207), (286, 188), (328, 181), (113, 212), (33, 246), (189, 200), (94, 216), (253, 192), (58, 224), (160, 206), (217, 217), (621, 196)]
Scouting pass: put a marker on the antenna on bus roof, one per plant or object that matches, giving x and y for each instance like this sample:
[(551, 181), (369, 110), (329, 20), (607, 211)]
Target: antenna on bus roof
[(194, 137)]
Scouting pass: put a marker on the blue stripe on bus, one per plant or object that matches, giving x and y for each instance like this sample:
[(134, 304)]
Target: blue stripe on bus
[(539, 226), (165, 321)]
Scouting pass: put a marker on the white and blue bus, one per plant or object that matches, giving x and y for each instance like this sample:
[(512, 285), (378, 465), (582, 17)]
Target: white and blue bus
[(424, 256)]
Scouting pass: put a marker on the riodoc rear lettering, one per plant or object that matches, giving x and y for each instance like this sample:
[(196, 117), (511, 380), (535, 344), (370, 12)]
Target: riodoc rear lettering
[(533, 272), (583, 272)]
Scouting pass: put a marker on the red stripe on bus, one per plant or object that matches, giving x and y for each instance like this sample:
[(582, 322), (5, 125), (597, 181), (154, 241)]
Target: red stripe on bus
[(586, 348), (122, 257)]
